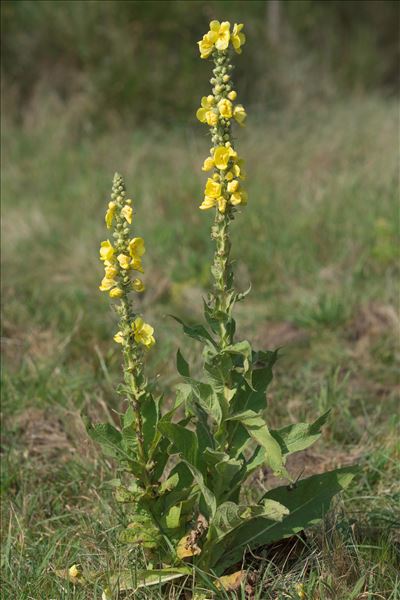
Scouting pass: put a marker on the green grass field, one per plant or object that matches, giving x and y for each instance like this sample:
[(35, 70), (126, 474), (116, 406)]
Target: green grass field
[(318, 244)]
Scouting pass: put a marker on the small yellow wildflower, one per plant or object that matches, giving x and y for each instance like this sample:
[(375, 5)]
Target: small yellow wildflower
[(237, 198), (143, 332), (207, 203), (211, 118), (221, 157), (206, 45), (74, 572), (136, 264), (111, 272), (208, 164), (119, 337), (220, 33), (205, 108), (107, 284), (110, 213), (136, 247), (225, 108), (232, 186), (213, 189), (237, 37), (124, 261), (116, 293), (126, 212), (232, 95), (229, 176), (239, 114), (106, 250), (221, 202), (138, 285)]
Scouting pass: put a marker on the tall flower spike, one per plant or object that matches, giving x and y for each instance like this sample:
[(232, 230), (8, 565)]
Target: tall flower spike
[(120, 261), (223, 190)]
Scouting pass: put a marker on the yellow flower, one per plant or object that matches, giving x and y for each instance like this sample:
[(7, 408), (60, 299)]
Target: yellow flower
[(126, 212), (110, 214), (213, 189), (211, 118), (143, 332), (136, 264), (239, 114), (207, 203), (232, 95), (219, 32), (237, 198), (119, 337), (232, 186), (237, 37), (107, 284), (111, 272), (229, 175), (204, 108), (106, 251), (206, 45), (124, 261), (221, 201), (74, 572), (221, 157), (116, 293), (225, 108), (136, 247), (138, 285), (208, 164)]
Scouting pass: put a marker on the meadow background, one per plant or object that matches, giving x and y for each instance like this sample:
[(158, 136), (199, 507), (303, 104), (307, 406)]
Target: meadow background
[(89, 88)]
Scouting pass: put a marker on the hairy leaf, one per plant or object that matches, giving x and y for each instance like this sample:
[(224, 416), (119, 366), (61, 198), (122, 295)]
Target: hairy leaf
[(258, 430), (299, 436), (182, 365), (184, 440), (308, 503)]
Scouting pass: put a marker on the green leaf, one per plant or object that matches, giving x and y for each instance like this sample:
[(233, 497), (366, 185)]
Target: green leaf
[(173, 516), (169, 484), (106, 435), (150, 414), (258, 430), (262, 372), (137, 579), (299, 436), (208, 496), (308, 502), (181, 365), (184, 440), (197, 332)]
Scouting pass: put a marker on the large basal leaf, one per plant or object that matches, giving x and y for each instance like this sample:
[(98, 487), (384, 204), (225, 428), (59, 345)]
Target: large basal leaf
[(141, 578), (299, 436), (308, 503), (228, 518), (258, 430)]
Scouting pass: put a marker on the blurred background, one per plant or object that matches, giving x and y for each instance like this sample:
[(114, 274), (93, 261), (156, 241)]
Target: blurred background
[(91, 87)]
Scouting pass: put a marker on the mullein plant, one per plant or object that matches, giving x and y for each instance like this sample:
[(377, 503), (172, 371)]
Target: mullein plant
[(189, 513)]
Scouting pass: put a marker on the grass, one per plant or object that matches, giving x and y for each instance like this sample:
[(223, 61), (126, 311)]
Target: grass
[(318, 243)]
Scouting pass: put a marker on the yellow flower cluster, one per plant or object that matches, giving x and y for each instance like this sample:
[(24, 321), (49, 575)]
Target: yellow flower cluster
[(219, 37), (142, 333), (120, 259), (217, 110), (224, 187), (211, 112), (116, 266)]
